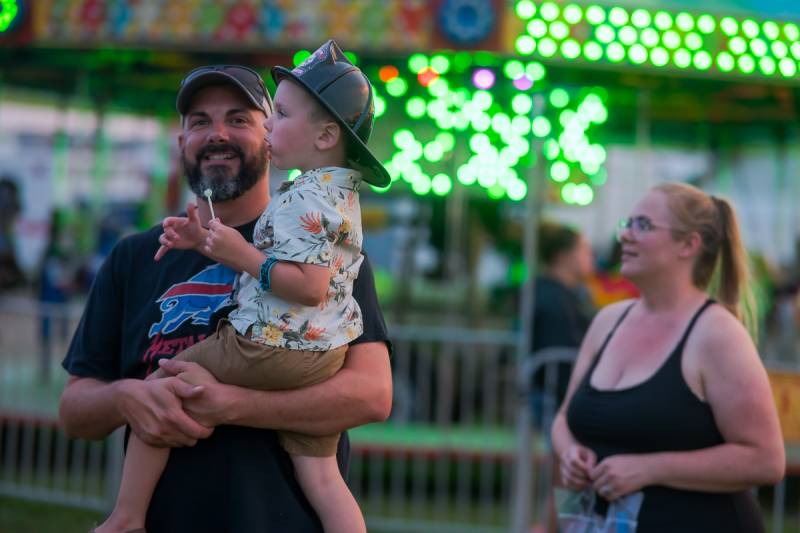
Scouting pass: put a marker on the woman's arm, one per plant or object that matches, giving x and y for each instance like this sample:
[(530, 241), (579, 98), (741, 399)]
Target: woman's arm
[(576, 461), (736, 387)]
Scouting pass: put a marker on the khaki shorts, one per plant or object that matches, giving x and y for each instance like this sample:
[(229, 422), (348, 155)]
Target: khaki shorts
[(236, 360)]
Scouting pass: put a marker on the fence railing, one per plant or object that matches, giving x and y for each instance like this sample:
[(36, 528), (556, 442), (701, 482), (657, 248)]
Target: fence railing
[(446, 460)]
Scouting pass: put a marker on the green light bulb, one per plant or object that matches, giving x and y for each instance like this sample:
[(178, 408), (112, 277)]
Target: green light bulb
[(791, 31), (541, 126), (559, 171), (787, 67), (380, 105), (501, 123), (641, 18), (513, 69), (659, 56), (446, 139), (570, 49), (737, 45), (759, 47), (547, 47), (750, 28), (521, 125), (779, 49), (482, 100), (537, 28), (684, 21), (725, 62), (573, 14), (637, 54), (767, 65), (559, 97), (397, 86), (568, 193), (441, 184), (521, 104), (551, 149), (436, 108), (796, 50), (649, 37), (605, 33), (517, 190), (487, 178), (729, 26), (525, 45), (628, 35), (466, 174), (481, 122), (535, 71), (549, 11), (403, 138), (433, 152), (438, 87), (746, 64), (525, 9), (693, 41), (671, 39), (663, 20), (440, 63), (771, 29), (583, 194), (618, 16), (495, 192), (422, 185), (592, 51), (682, 58), (300, 56), (615, 52), (558, 30), (702, 60), (462, 61), (706, 24), (417, 63), (595, 14), (415, 107)]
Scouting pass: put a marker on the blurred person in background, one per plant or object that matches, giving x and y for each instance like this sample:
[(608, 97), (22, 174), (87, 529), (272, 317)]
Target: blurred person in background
[(562, 307), (226, 471), (10, 273), (668, 395)]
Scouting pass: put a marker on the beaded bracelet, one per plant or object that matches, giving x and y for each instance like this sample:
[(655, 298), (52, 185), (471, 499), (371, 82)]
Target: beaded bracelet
[(264, 273)]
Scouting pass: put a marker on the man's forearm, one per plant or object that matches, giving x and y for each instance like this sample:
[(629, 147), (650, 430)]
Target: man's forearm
[(89, 408), (360, 393)]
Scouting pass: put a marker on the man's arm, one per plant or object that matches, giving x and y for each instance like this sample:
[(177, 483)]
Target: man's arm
[(92, 409), (359, 393)]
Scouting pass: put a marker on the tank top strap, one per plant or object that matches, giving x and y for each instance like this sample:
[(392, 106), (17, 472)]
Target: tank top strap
[(608, 338), (708, 303)]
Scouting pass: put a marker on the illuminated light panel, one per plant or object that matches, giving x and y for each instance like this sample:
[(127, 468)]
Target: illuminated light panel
[(618, 16), (641, 18), (541, 127), (427, 76), (746, 64), (737, 45), (8, 14), (605, 33), (570, 49), (549, 11), (702, 60), (483, 78), (682, 58), (592, 51), (525, 9), (595, 14), (663, 20), (417, 63), (559, 98), (380, 106), (767, 65), (684, 21), (791, 31), (559, 30), (440, 64), (628, 35), (537, 28), (525, 45), (547, 47), (649, 37), (535, 71), (299, 56), (787, 67), (559, 171), (750, 28), (513, 69), (441, 184), (521, 104), (706, 24), (397, 87), (573, 14), (671, 39), (693, 41), (725, 62), (758, 47), (659, 56), (615, 52)]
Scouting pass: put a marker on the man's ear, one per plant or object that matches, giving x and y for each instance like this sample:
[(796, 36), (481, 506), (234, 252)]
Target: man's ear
[(181, 141), (329, 134)]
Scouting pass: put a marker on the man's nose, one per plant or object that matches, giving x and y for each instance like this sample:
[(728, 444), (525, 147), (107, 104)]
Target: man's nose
[(218, 133)]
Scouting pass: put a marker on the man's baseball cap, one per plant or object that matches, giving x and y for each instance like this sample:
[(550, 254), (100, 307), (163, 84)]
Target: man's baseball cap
[(246, 79)]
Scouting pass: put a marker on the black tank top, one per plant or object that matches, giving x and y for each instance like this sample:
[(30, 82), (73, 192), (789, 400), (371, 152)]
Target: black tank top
[(657, 415)]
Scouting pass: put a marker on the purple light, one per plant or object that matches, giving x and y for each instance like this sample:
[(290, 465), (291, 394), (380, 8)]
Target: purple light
[(483, 78), (523, 83)]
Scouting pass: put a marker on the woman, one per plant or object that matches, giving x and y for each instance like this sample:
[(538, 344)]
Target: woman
[(668, 394)]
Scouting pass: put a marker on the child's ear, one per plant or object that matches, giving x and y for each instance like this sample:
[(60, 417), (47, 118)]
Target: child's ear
[(329, 135)]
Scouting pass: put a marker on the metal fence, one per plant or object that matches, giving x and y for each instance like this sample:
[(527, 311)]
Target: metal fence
[(466, 447)]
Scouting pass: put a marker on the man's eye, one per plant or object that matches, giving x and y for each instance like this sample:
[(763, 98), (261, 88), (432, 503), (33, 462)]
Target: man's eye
[(199, 123)]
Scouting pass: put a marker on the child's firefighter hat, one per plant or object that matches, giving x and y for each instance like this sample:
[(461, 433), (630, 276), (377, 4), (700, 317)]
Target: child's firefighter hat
[(345, 92)]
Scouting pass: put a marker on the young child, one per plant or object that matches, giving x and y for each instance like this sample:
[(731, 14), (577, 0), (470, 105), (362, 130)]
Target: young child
[(296, 313)]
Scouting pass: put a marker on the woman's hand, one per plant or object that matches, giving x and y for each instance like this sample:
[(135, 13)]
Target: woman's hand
[(577, 463), (620, 475)]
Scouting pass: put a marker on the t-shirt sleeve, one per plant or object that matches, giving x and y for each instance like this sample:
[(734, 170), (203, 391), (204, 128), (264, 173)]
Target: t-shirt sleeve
[(371, 315), (305, 227), (95, 351)]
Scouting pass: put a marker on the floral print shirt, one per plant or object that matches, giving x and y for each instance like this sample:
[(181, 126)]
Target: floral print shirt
[(314, 219)]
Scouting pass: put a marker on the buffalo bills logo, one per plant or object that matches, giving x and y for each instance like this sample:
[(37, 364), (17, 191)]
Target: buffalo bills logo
[(195, 299)]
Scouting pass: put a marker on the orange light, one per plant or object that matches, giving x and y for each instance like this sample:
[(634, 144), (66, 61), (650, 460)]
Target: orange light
[(388, 73), (427, 76)]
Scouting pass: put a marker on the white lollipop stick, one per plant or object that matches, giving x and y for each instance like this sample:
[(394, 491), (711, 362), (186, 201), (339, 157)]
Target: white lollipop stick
[(207, 194)]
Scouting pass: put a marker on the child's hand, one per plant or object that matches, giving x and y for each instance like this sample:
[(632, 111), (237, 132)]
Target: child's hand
[(225, 244), (182, 233)]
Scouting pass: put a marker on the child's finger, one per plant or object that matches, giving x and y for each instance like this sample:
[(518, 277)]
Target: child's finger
[(191, 213), (160, 252)]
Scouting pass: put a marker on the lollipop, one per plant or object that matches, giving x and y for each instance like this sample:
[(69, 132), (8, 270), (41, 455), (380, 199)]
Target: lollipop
[(207, 194)]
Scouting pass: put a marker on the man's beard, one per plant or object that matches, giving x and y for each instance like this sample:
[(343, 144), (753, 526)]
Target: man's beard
[(217, 177)]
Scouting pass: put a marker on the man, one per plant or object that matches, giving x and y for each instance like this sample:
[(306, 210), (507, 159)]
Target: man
[(140, 311)]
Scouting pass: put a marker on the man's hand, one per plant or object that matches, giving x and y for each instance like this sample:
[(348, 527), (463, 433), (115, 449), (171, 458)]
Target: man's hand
[(153, 410), (182, 233), (213, 406)]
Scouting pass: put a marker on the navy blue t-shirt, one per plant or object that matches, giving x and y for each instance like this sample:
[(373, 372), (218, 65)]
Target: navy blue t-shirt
[(140, 311)]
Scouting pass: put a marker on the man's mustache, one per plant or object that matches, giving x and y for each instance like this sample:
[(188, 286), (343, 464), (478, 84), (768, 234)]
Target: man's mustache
[(219, 148)]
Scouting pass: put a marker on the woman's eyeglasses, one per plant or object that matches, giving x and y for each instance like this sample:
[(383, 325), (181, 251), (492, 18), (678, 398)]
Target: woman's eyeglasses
[(639, 226)]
